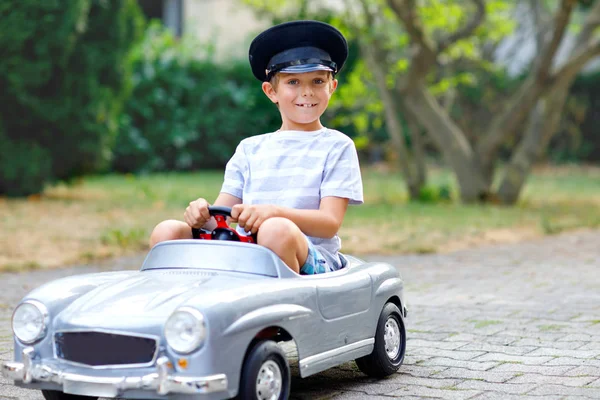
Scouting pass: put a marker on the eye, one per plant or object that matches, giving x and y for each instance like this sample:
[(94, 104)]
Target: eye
[(319, 81), (293, 82)]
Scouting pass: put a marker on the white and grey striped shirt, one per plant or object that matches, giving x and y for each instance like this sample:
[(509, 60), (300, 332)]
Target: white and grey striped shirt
[(296, 169)]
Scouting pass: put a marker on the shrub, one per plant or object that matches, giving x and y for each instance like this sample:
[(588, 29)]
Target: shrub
[(186, 111), (63, 75)]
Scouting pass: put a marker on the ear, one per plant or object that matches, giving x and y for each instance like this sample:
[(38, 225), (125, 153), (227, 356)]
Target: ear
[(270, 92), (334, 84)]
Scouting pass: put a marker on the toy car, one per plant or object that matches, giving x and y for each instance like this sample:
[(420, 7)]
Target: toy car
[(203, 319)]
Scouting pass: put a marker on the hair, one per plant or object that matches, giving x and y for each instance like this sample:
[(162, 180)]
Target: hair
[(275, 79)]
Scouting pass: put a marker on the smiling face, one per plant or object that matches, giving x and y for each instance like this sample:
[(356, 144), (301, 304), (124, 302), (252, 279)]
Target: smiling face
[(301, 98)]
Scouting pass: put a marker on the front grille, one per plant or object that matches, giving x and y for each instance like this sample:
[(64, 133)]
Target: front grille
[(100, 348)]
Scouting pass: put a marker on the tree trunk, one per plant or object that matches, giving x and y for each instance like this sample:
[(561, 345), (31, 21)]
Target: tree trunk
[(393, 123), (545, 119), (450, 141), (524, 100), (544, 123)]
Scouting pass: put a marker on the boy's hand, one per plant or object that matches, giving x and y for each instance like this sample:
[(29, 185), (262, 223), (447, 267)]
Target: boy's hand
[(251, 217), (196, 214)]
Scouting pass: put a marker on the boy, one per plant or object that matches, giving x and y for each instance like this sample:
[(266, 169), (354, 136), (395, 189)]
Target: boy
[(290, 187)]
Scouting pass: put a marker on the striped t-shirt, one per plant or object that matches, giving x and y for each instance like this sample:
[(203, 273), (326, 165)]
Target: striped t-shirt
[(296, 169)]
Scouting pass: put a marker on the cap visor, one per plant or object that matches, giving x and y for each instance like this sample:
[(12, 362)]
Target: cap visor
[(298, 69)]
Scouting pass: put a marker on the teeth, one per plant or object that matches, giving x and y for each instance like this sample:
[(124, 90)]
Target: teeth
[(306, 105)]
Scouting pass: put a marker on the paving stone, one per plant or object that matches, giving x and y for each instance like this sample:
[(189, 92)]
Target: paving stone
[(580, 338), (534, 334), (558, 380), (574, 361), (554, 390), (594, 384), (488, 376), (503, 396), (428, 335), (447, 394), (437, 381), (565, 353), (420, 370), (514, 350), (469, 337), (583, 371), (510, 388), (566, 345), (449, 362), (455, 354), (590, 346), (436, 344), (347, 396), (528, 360), (534, 369)]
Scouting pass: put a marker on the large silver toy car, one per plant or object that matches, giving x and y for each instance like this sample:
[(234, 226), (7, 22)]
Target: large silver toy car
[(204, 319)]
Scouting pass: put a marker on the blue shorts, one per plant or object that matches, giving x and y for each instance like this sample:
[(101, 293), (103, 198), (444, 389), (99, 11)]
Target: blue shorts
[(315, 262)]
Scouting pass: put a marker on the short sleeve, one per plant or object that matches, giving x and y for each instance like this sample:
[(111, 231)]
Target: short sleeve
[(235, 173), (341, 177)]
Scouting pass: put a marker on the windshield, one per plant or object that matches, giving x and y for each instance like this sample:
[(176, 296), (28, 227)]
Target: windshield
[(212, 255)]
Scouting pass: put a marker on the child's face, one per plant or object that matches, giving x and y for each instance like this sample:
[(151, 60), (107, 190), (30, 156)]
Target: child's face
[(302, 98)]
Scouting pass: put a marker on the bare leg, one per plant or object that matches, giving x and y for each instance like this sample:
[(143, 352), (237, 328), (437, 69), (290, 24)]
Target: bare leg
[(284, 238), (170, 230)]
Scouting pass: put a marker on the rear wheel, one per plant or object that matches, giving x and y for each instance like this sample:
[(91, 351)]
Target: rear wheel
[(265, 374), (390, 344), (54, 395)]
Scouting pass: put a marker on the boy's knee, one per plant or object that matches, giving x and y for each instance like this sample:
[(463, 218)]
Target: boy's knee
[(169, 230), (277, 232)]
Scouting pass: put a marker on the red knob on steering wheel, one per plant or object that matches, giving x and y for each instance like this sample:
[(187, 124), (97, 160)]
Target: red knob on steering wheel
[(223, 231)]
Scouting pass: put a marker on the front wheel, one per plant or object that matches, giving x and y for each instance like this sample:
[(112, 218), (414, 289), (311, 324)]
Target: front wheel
[(390, 345), (265, 374), (54, 395)]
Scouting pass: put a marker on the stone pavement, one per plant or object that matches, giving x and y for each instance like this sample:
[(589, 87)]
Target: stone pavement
[(517, 321)]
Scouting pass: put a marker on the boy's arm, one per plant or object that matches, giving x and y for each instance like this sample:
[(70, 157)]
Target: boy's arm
[(324, 222)]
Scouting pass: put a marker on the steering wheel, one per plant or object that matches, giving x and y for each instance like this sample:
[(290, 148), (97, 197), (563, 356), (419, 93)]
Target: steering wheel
[(223, 231)]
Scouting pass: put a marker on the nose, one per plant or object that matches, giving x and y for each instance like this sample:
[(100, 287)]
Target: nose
[(307, 90)]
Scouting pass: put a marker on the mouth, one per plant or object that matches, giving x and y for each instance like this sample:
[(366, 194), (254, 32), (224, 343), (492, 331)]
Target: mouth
[(306, 105)]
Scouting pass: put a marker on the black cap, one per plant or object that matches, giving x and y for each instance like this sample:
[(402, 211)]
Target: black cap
[(297, 46)]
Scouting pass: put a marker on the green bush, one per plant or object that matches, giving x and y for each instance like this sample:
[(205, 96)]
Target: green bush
[(63, 75), (186, 111)]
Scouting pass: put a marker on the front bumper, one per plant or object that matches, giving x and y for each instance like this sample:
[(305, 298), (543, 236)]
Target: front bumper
[(30, 371)]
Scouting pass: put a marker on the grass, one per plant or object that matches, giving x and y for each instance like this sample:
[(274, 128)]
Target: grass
[(113, 215)]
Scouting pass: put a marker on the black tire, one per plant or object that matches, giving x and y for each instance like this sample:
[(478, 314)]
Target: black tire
[(54, 395), (379, 364), (264, 357)]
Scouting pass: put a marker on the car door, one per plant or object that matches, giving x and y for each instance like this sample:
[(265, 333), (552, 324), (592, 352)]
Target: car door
[(344, 297)]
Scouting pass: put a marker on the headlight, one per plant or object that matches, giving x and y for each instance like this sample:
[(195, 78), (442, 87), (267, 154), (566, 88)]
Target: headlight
[(29, 321), (185, 330)]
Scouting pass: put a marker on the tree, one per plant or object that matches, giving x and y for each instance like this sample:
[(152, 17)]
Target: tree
[(63, 78), (474, 164)]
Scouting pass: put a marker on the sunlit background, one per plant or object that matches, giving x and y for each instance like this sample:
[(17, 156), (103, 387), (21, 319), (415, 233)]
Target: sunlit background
[(476, 121)]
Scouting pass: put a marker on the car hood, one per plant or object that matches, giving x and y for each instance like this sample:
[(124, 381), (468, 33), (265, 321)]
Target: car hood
[(153, 295)]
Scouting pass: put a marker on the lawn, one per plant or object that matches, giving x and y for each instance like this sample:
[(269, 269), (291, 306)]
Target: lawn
[(108, 216)]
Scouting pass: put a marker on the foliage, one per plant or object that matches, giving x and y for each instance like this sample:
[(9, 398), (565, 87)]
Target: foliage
[(186, 111), (63, 75)]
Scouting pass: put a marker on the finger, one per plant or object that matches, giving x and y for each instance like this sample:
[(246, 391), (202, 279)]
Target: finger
[(249, 226), (244, 217), (204, 213), (236, 211), (194, 213), (256, 226), (186, 217)]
